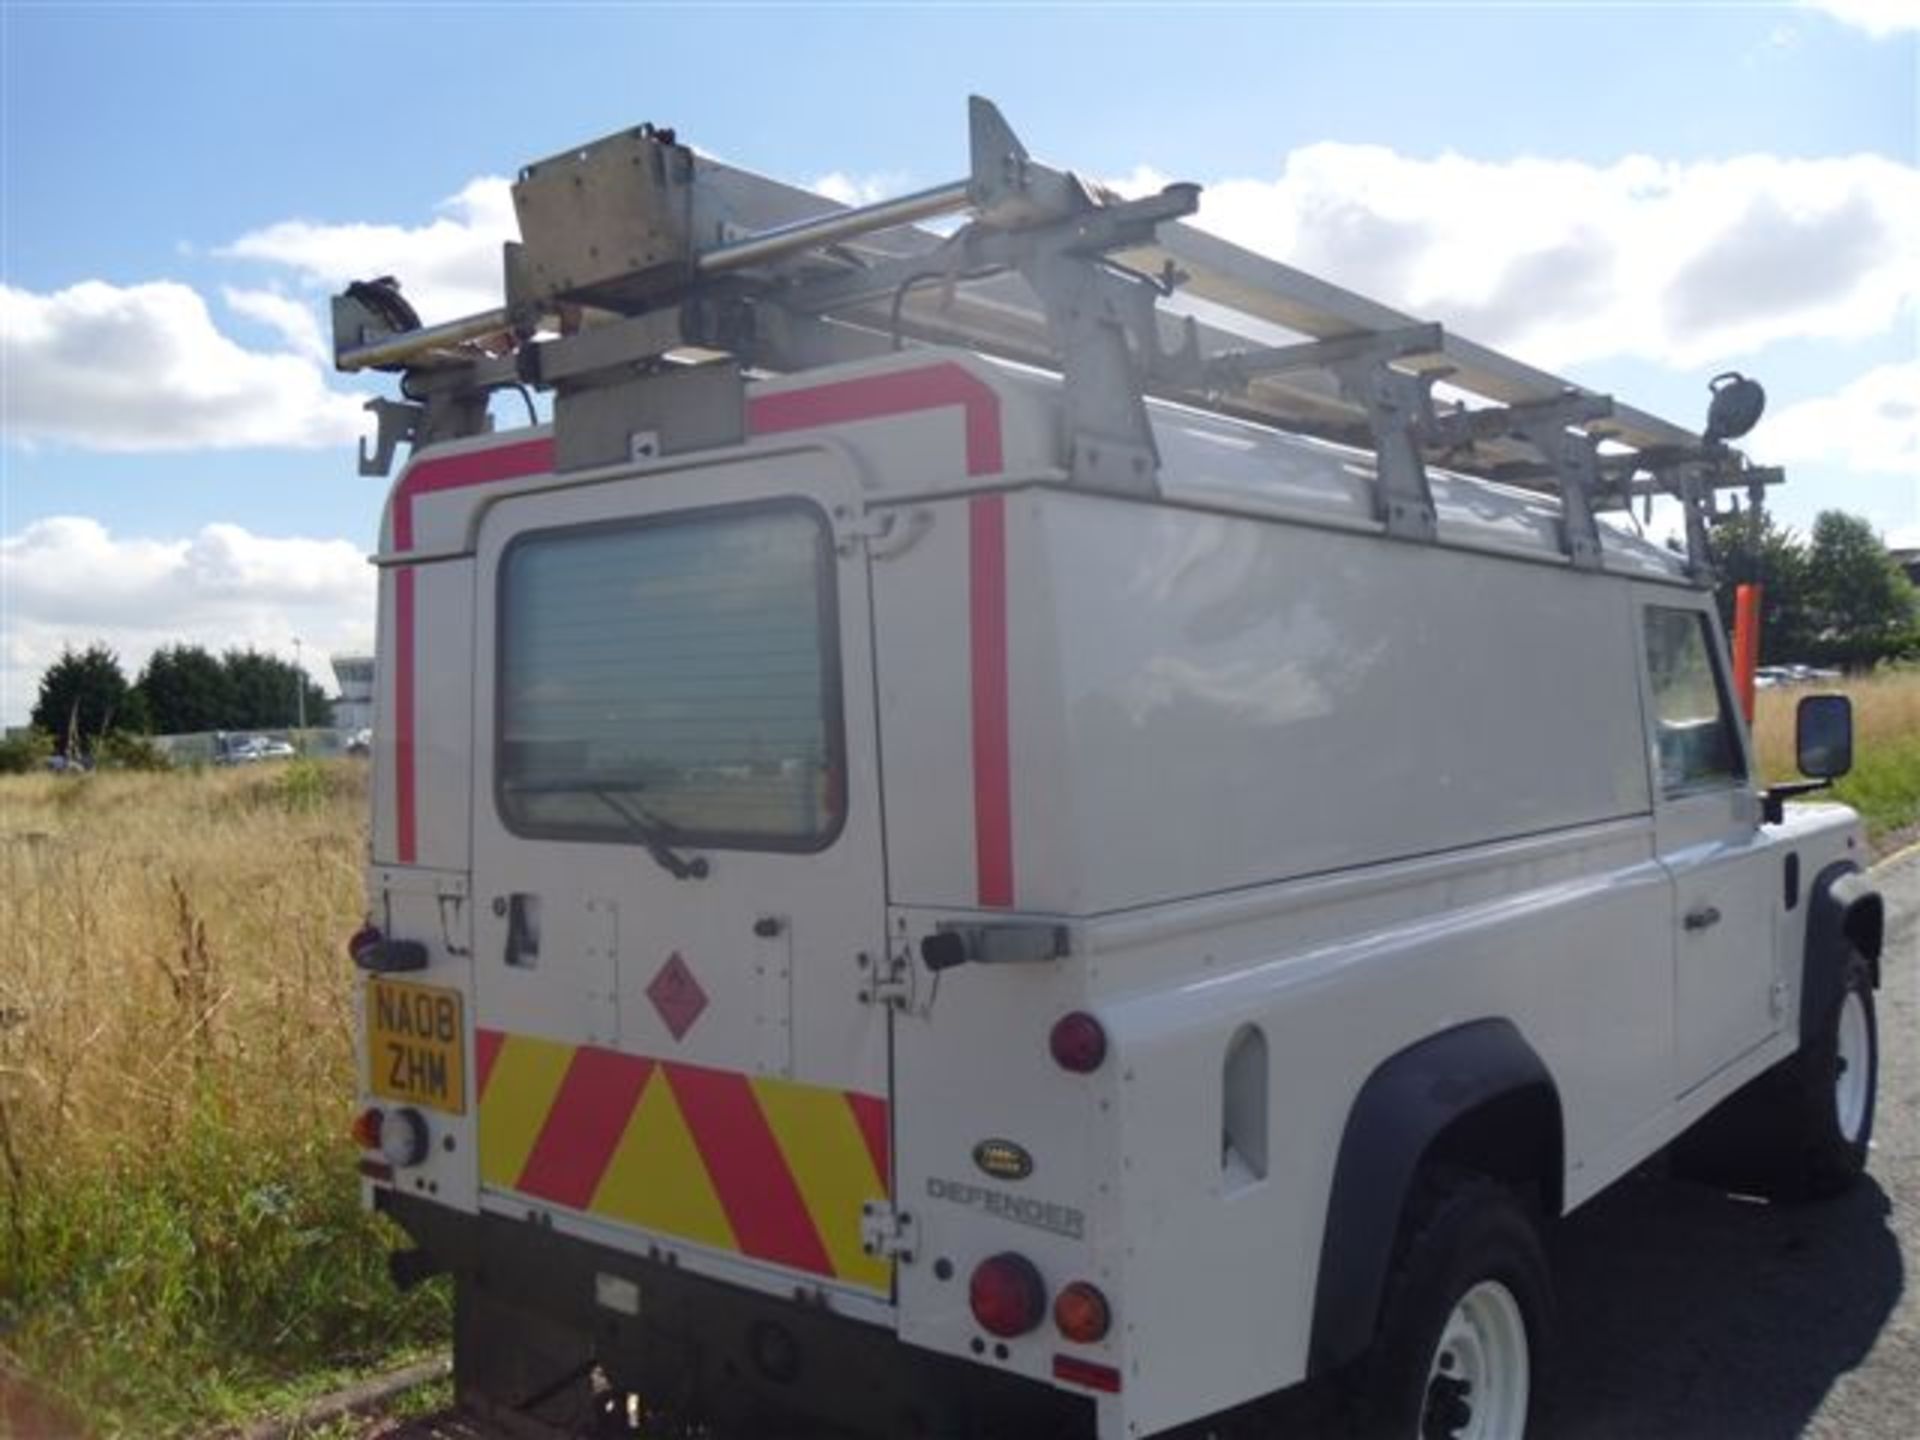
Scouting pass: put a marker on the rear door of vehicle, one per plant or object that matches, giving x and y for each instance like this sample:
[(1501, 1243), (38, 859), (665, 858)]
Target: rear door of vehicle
[(678, 869)]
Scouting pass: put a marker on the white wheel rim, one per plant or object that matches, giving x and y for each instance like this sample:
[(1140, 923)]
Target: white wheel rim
[(1477, 1382), (1853, 1075)]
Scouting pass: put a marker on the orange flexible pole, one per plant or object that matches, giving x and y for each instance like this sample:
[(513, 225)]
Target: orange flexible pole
[(1746, 644)]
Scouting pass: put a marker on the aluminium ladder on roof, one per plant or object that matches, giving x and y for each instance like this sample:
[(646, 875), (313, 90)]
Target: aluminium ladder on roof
[(642, 251)]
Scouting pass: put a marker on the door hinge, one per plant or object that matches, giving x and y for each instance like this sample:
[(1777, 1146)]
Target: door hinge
[(886, 1232), (1777, 1000), (887, 980), (885, 533)]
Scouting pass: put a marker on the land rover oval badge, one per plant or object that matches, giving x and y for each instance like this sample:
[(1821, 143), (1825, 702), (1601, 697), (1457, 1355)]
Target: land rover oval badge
[(1003, 1160)]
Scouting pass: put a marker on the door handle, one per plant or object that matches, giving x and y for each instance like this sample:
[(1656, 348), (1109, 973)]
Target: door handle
[(523, 929), (1701, 919)]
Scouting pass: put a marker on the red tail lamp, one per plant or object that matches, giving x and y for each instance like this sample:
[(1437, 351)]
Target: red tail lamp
[(367, 934), (1078, 1043), (1081, 1313), (1007, 1295), (366, 1129)]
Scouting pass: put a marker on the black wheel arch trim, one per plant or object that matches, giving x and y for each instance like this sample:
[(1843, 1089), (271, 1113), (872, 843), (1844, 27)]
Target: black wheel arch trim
[(1405, 1106), (1844, 914)]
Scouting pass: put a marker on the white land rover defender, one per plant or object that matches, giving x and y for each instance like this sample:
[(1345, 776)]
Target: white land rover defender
[(1020, 832)]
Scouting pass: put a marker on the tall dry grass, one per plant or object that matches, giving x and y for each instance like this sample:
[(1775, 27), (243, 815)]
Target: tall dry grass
[(1885, 784), (180, 1232)]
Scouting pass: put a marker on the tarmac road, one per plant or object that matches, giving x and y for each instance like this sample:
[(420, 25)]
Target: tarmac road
[(1687, 1314)]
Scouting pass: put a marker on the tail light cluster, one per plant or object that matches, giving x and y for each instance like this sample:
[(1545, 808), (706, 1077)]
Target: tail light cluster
[(1009, 1299), (400, 1135), (365, 938)]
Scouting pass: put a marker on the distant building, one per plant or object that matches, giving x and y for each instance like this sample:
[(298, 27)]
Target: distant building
[(354, 709), (1909, 561)]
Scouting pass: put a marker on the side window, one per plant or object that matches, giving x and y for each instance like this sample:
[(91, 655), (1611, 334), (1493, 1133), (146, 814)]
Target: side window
[(1698, 744)]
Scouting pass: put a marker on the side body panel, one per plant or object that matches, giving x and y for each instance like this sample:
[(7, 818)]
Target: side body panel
[(1273, 779)]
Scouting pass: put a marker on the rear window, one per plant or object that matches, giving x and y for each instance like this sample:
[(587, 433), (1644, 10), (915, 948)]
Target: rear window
[(677, 675)]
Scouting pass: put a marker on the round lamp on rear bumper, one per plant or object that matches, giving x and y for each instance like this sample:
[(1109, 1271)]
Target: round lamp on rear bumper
[(403, 1137), (1007, 1295)]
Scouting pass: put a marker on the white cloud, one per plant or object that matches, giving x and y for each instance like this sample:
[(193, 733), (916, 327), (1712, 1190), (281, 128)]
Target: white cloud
[(143, 367), (1879, 18), (1869, 426), (848, 189), (293, 320), (69, 581), (1563, 261), (447, 268)]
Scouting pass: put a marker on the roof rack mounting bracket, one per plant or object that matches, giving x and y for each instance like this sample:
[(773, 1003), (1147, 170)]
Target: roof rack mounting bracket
[(1399, 406), (396, 422), (1106, 436), (1575, 458)]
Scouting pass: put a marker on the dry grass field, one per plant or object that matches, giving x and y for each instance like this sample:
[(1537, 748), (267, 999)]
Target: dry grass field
[(180, 1233), (1885, 784), (181, 1242)]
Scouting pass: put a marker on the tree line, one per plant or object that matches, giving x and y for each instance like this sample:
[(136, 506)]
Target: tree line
[(1835, 598), (85, 695)]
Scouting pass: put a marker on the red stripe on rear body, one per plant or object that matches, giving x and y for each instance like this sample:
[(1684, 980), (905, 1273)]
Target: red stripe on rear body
[(476, 467), (455, 472), (749, 1173), (406, 823), (872, 397), (992, 765), (588, 1116), (875, 397), (486, 1050), (870, 1114)]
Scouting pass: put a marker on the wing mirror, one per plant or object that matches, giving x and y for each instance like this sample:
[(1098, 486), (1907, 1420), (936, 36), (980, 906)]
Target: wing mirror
[(1823, 748), (1823, 736)]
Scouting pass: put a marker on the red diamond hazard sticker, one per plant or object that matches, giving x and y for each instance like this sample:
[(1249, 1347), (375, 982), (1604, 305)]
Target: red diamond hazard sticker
[(677, 996)]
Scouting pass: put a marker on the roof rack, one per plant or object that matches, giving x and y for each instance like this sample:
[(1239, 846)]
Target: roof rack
[(644, 268)]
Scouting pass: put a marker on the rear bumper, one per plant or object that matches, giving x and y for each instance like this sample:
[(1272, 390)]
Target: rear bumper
[(534, 1306)]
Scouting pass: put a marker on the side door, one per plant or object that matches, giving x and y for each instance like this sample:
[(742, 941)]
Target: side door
[(1707, 824), (678, 870)]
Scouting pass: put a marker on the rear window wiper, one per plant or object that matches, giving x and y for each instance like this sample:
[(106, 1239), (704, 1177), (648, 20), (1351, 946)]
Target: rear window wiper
[(617, 793)]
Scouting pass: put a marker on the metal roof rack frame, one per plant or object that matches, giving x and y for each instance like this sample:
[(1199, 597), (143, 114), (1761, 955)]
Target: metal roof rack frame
[(643, 266)]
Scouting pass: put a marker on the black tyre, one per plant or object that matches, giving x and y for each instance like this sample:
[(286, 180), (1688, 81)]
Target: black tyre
[(1466, 1326), (1801, 1131)]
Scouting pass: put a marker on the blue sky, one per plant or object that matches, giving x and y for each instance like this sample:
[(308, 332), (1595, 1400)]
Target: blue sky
[(1687, 189)]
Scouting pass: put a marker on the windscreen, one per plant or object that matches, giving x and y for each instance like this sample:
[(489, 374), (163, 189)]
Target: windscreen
[(674, 677)]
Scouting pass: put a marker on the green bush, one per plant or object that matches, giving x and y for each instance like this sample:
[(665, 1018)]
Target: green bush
[(25, 753), (119, 750)]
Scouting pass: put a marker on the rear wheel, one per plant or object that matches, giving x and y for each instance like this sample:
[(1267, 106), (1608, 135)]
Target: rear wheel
[(1464, 1331)]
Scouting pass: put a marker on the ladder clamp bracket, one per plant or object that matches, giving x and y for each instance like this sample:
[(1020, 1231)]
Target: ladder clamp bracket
[(397, 423)]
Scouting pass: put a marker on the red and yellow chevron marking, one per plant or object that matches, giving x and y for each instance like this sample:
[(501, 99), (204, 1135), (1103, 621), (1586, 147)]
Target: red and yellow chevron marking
[(765, 1168)]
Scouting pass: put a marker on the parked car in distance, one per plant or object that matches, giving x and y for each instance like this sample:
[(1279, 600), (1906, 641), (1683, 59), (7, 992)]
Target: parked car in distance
[(249, 749), (1769, 676)]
